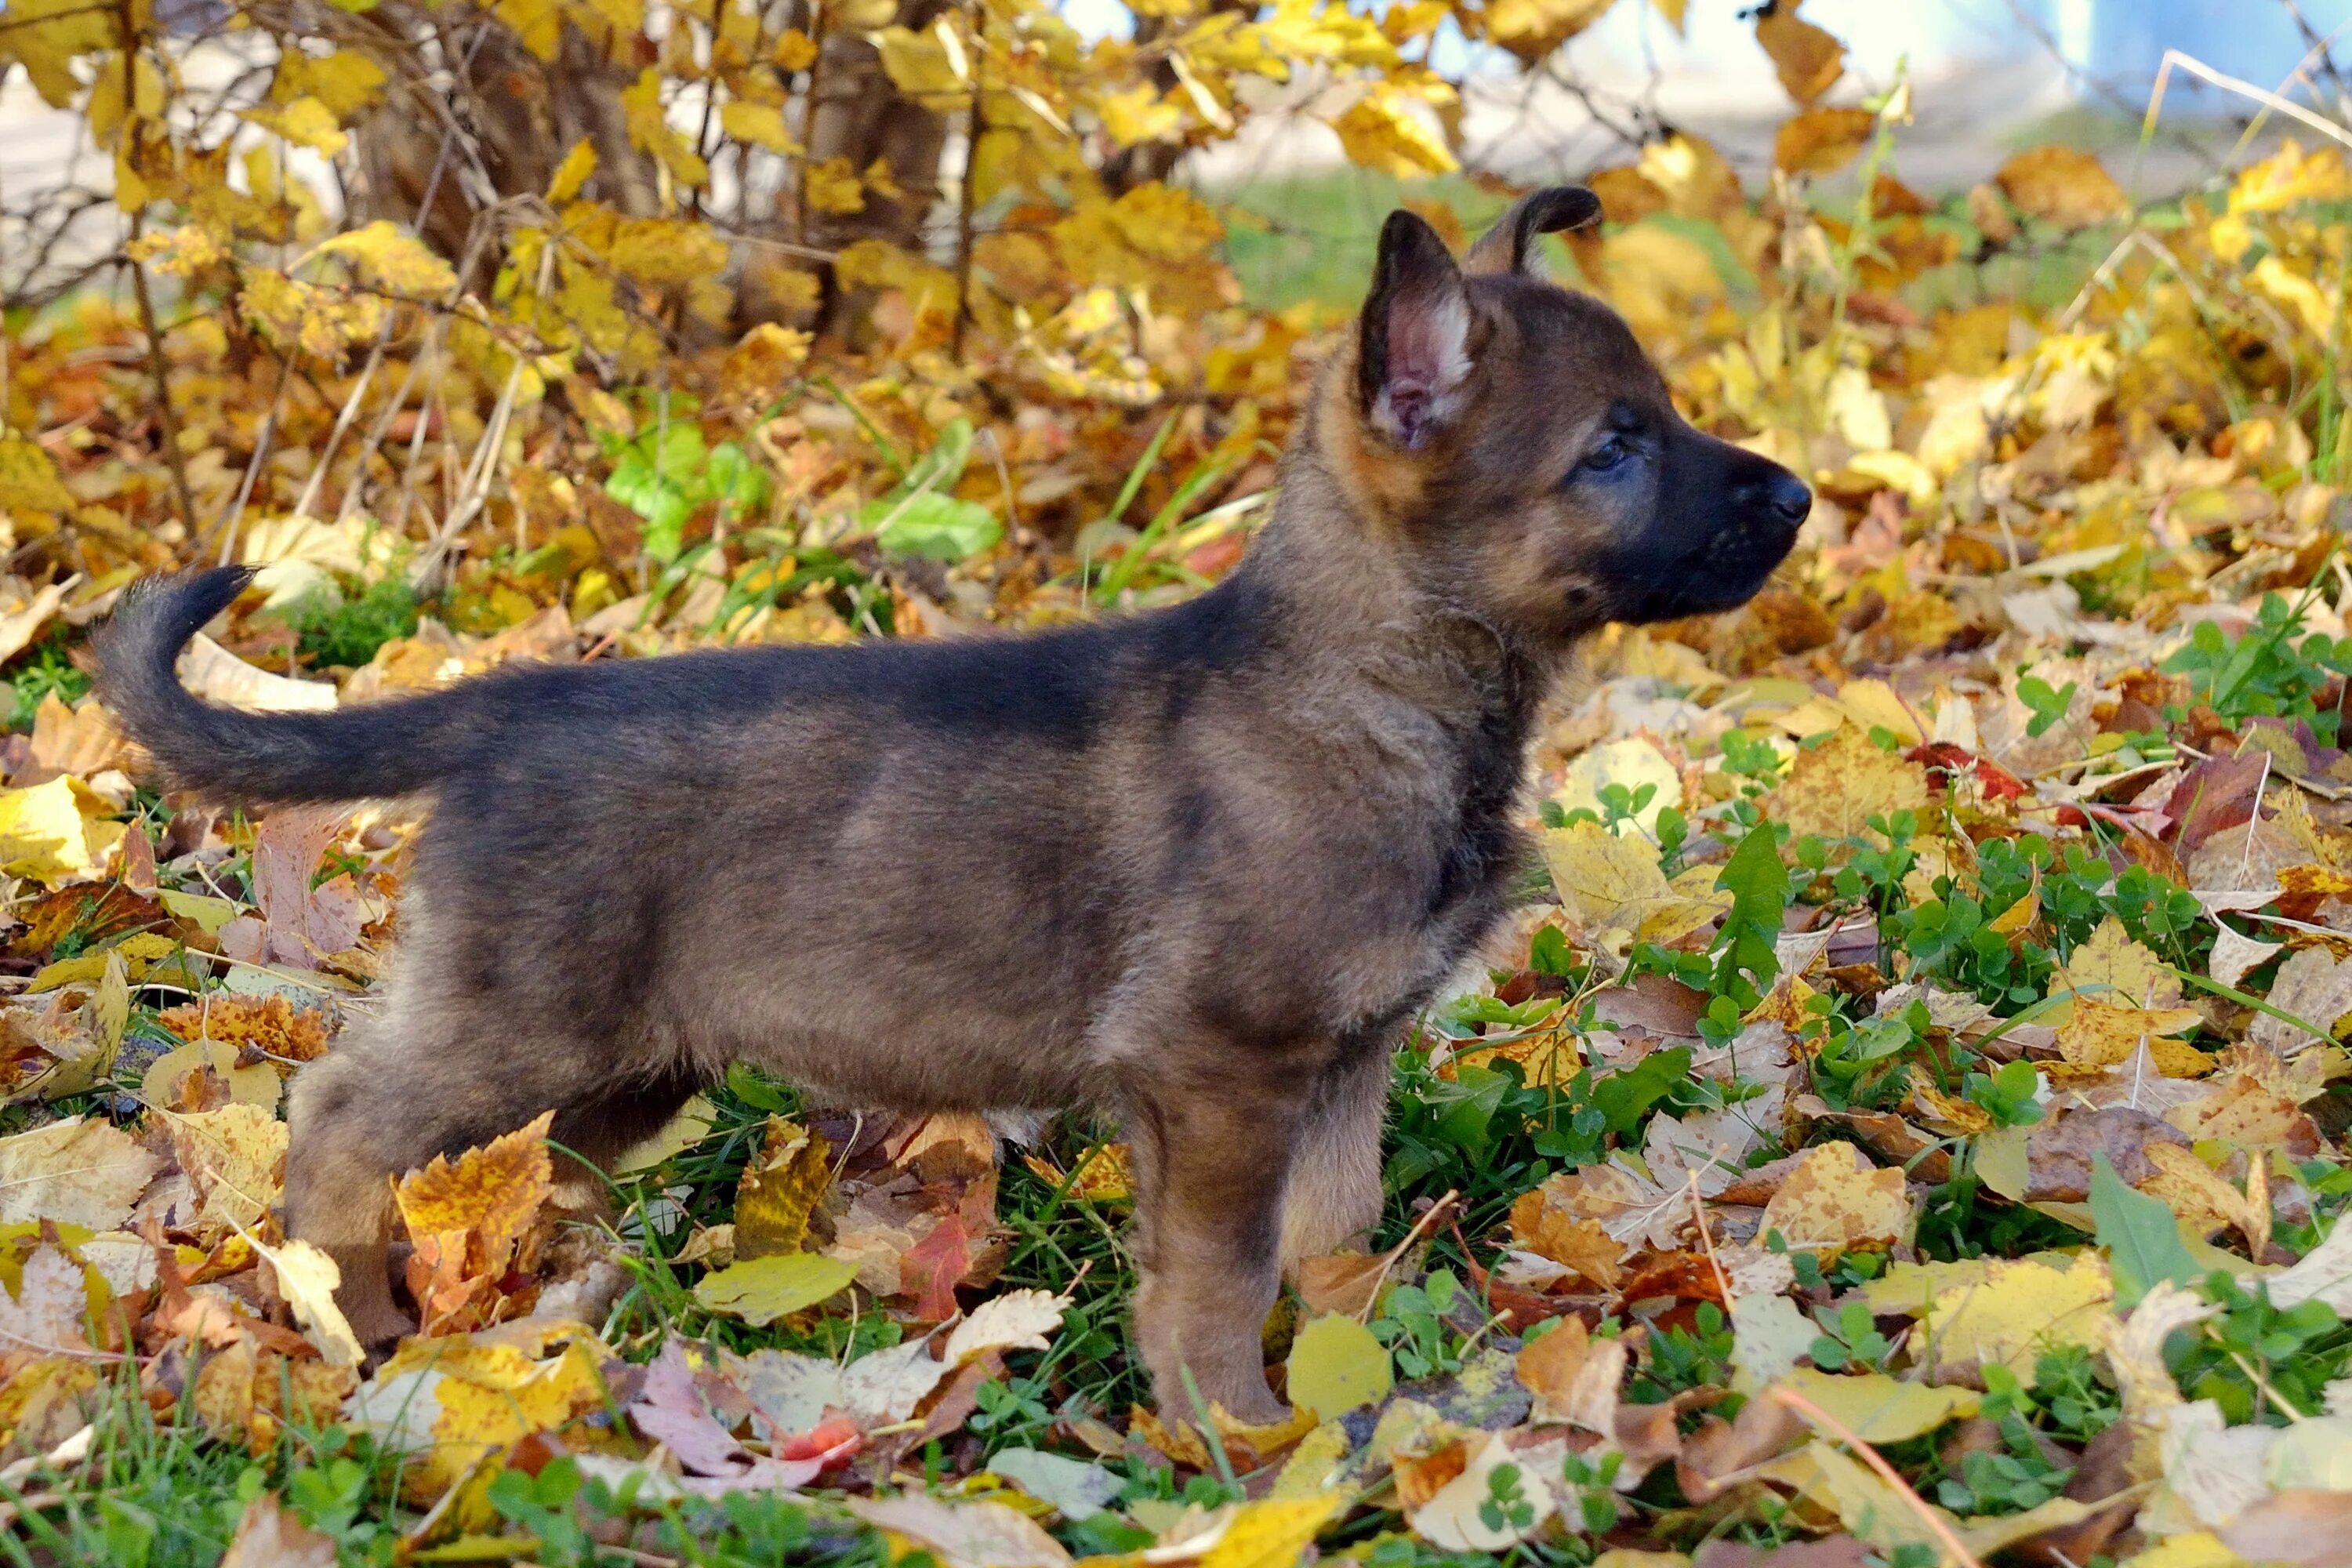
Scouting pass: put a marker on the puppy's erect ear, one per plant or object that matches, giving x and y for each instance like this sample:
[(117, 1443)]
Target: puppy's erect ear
[(1511, 245), (1414, 360)]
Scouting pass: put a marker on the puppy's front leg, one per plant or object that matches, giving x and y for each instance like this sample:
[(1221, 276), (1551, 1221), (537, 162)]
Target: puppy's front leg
[(1214, 1154)]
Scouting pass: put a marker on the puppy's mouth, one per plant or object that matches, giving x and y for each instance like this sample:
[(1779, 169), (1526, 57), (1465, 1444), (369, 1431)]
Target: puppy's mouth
[(1721, 575)]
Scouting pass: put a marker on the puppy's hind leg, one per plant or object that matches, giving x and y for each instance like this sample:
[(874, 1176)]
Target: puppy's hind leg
[(1334, 1198), (348, 1139), (436, 1079)]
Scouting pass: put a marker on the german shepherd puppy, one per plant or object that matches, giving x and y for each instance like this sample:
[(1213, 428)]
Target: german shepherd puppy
[(1198, 866)]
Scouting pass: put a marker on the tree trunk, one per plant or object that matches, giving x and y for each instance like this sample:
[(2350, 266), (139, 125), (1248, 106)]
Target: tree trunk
[(861, 116)]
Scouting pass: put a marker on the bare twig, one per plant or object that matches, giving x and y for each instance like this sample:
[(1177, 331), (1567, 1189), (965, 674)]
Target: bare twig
[(158, 368), (1935, 1521)]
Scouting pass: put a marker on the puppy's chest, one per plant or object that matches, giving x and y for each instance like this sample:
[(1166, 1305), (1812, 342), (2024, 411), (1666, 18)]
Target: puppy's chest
[(1449, 879)]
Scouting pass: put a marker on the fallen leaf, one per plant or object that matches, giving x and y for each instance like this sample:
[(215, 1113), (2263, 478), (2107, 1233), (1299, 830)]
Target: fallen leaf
[(963, 1534), (1836, 788), (470, 1221), (216, 675), (270, 1535), (234, 1159), (1834, 1200), (1078, 1490), (766, 1289), (1460, 1517), (307, 1278), (2012, 1312), (75, 1171), (1336, 1366), (779, 1186), (1877, 1408), (55, 833), (2312, 985)]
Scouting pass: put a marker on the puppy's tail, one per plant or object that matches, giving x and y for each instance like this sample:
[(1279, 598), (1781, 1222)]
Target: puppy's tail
[(387, 749)]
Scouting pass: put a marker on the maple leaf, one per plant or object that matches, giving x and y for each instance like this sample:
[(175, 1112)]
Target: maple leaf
[(1835, 789), (780, 1186), (473, 1221)]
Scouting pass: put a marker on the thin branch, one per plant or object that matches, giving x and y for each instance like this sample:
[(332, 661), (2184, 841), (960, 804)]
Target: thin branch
[(158, 368)]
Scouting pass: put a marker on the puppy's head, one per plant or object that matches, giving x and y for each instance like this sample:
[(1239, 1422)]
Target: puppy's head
[(1513, 441)]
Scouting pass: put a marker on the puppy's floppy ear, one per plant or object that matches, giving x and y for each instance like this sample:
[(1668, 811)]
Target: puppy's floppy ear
[(1413, 364), (1511, 245)]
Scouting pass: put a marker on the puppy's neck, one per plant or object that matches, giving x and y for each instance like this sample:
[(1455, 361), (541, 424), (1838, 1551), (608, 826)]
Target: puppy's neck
[(1355, 610)]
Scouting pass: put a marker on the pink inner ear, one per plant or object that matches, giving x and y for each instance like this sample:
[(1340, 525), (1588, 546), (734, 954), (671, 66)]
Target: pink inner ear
[(1428, 329)]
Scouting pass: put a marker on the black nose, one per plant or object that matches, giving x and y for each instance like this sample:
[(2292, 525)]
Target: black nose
[(1781, 495)]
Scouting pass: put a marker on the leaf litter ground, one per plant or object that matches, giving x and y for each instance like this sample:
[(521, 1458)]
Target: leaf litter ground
[(1899, 1126)]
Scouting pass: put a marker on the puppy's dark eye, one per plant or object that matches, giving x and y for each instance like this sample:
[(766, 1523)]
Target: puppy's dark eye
[(1612, 452)]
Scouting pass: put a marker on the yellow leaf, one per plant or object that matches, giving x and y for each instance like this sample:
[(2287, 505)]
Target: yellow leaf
[(344, 82), (72, 1172), (294, 314), (56, 832), (650, 131), (29, 477), (306, 122), (1808, 60), (1834, 1200), (1533, 28), (492, 1194), (2109, 964), (760, 367), (1380, 130), (2062, 185), (1321, 30), (2016, 1311), (2289, 177), (167, 1077), (1606, 883), (762, 124), (1273, 1532), (779, 1187), (1879, 1409), (2192, 1189), (2297, 293), (394, 261), (1835, 789), (2099, 1032), (452, 1401), (832, 187), (182, 251), (1137, 114), (573, 172), (927, 67), (666, 250), (1821, 141), (46, 37), (766, 1289), (1336, 1366), (795, 52), (307, 1278), (234, 1158)]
